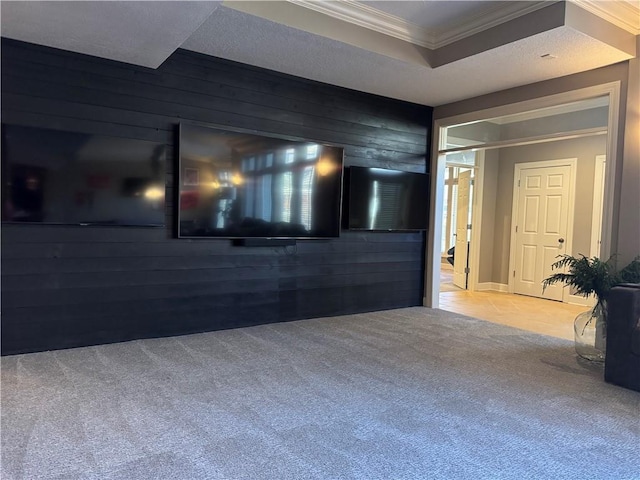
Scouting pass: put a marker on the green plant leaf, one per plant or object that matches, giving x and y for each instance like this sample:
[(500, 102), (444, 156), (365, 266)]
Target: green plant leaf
[(589, 275)]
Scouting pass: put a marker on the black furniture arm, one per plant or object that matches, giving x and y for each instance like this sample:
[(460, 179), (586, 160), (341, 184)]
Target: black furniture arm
[(622, 361)]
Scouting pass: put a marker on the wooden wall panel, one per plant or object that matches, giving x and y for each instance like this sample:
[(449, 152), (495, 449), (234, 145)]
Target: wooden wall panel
[(67, 286)]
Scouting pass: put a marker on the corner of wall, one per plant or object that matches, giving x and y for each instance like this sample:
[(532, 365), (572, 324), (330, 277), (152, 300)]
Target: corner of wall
[(628, 241)]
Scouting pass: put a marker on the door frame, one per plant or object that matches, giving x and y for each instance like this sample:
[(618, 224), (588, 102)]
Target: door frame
[(598, 201), (473, 279), (597, 223), (434, 234), (572, 163)]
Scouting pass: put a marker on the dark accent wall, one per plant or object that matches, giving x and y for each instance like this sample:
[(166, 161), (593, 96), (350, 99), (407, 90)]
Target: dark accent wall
[(67, 286)]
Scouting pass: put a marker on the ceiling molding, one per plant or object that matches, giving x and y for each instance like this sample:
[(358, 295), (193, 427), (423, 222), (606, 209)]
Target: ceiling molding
[(622, 13), (490, 18), (362, 15), (357, 13)]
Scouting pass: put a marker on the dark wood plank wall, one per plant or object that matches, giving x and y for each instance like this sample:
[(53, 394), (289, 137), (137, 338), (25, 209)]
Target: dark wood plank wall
[(66, 286)]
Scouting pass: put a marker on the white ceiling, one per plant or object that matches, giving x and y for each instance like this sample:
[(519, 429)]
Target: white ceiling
[(435, 15), (428, 52), (142, 33)]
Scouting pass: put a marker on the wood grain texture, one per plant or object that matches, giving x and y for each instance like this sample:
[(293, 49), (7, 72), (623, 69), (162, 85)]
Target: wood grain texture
[(67, 286)]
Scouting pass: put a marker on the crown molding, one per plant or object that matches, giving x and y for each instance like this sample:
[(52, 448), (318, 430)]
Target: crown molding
[(363, 15), (621, 13), (499, 14)]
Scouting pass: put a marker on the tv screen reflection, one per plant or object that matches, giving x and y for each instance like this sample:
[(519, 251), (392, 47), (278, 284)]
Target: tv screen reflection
[(61, 177), (240, 185)]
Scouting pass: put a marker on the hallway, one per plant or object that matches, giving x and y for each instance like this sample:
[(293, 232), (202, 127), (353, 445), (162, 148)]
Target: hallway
[(528, 313)]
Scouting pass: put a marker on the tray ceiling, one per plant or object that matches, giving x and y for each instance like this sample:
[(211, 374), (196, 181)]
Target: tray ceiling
[(428, 52)]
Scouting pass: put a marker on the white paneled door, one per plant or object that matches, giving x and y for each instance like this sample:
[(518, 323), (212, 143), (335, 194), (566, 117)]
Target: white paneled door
[(460, 272), (542, 218)]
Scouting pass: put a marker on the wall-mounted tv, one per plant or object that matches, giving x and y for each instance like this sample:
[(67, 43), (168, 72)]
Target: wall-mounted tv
[(387, 200), (61, 177), (247, 185)]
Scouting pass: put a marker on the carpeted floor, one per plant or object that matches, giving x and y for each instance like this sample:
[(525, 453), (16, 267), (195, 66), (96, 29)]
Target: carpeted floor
[(403, 394)]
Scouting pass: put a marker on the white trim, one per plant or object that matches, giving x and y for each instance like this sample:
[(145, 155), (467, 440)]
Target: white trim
[(533, 104), (492, 287), (476, 222), (598, 201), (571, 217), (502, 13), (610, 171), (580, 106), (589, 301), (622, 13), (434, 235), (612, 90), (358, 13), (518, 168), (519, 142)]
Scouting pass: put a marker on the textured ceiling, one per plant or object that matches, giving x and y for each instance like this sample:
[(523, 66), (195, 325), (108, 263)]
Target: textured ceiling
[(142, 33), (255, 41), (276, 36), (435, 15)]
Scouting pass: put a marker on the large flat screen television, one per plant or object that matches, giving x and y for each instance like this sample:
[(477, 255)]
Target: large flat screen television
[(247, 185), (61, 177), (387, 200)]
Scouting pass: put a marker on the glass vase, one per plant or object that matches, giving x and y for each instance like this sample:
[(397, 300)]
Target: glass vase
[(591, 334)]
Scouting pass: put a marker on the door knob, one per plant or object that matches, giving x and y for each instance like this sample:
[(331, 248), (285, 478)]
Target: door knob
[(561, 240)]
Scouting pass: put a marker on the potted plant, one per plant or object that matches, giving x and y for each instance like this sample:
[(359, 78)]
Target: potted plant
[(592, 276)]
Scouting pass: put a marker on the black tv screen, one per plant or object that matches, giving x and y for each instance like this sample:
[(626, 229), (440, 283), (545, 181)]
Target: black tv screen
[(60, 177), (387, 200), (247, 185)]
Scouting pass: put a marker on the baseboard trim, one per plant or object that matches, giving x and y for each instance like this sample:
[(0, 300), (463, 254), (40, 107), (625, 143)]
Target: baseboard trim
[(492, 286), (581, 300)]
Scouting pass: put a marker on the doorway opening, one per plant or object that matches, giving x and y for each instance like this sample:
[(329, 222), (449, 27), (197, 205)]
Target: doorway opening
[(489, 146), (457, 217)]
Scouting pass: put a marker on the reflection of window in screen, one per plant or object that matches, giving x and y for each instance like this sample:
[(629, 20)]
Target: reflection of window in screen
[(307, 196), (263, 197), (223, 206), (248, 164), (248, 202), (312, 152), (384, 205), (289, 155), (286, 190)]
